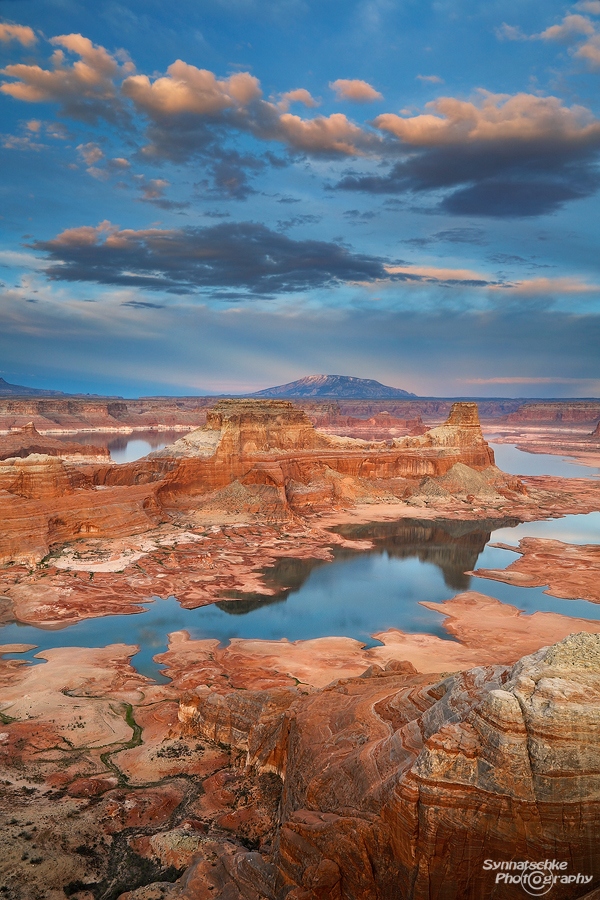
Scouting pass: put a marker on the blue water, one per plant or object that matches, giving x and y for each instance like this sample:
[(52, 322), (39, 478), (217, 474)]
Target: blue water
[(518, 462), (354, 596)]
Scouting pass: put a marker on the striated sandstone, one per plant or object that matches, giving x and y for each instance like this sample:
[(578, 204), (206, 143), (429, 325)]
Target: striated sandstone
[(27, 440), (397, 786)]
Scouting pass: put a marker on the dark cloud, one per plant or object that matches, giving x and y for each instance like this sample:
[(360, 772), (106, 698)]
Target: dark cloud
[(511, 258), (244, 255), (466, 235), (355, 216), (306, 219), (512, 180), (143, 304)]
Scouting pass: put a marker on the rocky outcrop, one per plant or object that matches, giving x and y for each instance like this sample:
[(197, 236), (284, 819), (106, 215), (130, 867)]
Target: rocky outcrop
[(274, 445), (568, 412), (395, 785), (27, 440), (54, 415), (44, 502)]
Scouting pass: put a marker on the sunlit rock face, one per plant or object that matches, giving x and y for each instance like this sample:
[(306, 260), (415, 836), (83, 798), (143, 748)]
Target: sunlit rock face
[(44, 502), (257, 458), (398, 787), (273, 444)]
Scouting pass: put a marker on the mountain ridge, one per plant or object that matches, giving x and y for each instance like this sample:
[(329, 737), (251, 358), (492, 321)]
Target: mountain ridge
[(19, 390), (334, 387)]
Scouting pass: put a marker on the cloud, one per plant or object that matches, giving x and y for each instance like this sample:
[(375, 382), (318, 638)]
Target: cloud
[(21, 33), (465, 235), (439, 274), (91, 153), (590, 52), (243, 255), (332, 135), (570, 30), (304, 219), (153, 191), (500, 155), (189, 111), (355, 216), (430, 79), (506, 32), (354, 89), (542, 287), (300, 95), (186, 89), (86, 89), (589, 6)]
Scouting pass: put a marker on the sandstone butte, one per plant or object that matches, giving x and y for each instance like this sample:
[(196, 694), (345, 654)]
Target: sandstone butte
[(268, 449)]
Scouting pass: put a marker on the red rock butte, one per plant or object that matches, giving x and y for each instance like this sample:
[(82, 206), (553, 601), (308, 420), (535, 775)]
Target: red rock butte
[(264, 454)]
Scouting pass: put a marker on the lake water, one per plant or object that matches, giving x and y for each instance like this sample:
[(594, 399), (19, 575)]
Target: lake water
[(126, 448), (518, 462), (356, 595)]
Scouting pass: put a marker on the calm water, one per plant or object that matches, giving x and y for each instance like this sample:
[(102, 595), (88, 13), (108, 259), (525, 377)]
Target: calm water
[(127, 447), (357, 595), (518, 462)]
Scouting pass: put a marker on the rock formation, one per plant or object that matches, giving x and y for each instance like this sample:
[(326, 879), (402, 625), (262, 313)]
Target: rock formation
[(272, 444), (27, 440), (397, 786), (572, 412)]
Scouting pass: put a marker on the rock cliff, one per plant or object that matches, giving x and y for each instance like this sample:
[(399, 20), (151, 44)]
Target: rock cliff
[(395, 785), (273, 444), (27, 440)]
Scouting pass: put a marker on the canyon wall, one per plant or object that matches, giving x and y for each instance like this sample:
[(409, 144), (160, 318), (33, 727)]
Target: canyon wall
[(397, 786)]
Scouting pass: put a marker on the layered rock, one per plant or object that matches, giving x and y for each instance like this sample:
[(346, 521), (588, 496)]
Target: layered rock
[(571, 412), (27, 440), (274, 445), (43, 502), (397, 786)]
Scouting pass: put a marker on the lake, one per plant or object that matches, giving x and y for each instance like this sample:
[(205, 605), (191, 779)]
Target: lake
[(356, 595)]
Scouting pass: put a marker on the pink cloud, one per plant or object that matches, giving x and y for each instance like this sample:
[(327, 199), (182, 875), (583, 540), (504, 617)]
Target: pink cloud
[(354, 89), (495, 117), (300, 95), (86, 87), (21, 33), (331, 134), (187, 89), (569, 29)]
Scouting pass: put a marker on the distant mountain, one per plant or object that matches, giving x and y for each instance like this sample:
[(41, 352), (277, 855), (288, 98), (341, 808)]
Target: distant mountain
[(18, 390), (335, 387)]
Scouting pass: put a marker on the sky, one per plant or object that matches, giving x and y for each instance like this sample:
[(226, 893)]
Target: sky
[(223, 196)]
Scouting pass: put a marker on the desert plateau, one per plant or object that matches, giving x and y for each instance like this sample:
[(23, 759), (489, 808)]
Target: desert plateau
[(240, 765)]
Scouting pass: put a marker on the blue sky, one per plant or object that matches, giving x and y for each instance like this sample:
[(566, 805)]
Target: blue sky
[(233, 194)]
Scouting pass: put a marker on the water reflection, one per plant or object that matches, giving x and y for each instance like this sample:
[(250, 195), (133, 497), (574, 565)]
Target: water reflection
[(357, 595), (126, 447), (452, 546)]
